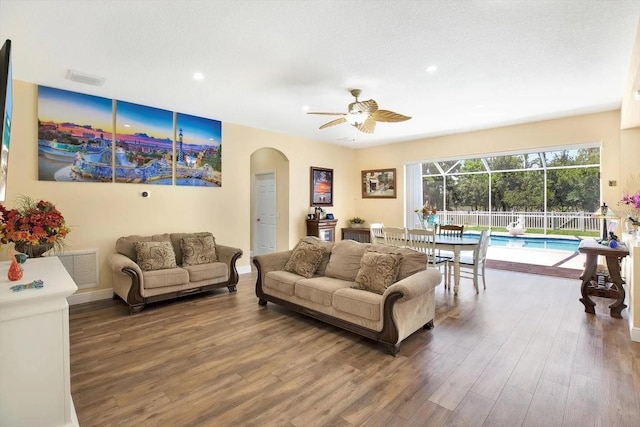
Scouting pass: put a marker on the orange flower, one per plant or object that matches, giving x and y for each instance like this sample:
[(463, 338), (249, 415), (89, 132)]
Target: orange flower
[(32, 223)]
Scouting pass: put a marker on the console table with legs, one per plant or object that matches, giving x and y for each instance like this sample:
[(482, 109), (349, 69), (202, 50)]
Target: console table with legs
[(592, 249)]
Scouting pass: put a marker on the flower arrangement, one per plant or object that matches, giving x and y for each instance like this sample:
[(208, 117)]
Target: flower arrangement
[(32, 223), (427, 214), (631, 199)]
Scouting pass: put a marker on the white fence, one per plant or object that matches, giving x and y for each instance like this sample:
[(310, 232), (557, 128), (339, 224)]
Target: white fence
[(575, 221)]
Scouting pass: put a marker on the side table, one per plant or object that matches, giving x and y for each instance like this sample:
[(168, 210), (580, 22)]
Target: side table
[(592, 249)]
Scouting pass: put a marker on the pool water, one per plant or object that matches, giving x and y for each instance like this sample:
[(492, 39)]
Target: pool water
[(559, 244)]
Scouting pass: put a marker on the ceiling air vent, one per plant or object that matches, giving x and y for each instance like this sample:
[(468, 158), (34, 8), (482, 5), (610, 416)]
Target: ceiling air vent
[(79, 77)]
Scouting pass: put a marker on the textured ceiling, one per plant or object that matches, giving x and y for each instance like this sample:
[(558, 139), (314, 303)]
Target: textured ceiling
[(499, 62)]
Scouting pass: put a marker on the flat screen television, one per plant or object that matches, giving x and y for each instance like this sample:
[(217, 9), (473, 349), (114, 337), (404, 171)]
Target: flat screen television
[(6, 105)]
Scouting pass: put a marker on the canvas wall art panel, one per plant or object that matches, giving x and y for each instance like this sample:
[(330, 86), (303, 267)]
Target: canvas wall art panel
[(144, 144), (198, 151), (75, 136)]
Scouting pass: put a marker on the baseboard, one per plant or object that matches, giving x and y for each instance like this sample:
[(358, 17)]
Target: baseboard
[(107, 293), (90, 296), (635, 334)]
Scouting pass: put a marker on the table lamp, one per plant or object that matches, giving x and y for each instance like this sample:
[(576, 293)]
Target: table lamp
[(604, 212)]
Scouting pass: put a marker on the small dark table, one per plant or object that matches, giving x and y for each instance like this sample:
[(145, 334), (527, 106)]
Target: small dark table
[(593, 249)]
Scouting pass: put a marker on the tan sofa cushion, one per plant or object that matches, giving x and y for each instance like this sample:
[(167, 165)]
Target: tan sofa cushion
[(281, 281), (344, 262), (167, 277), (378, 271), (176, 238), (305, 258), (412, 261), (125, 245), (358, 303), (319, 289), (320, 271), (198, 250), (155, 255), (209, 271)]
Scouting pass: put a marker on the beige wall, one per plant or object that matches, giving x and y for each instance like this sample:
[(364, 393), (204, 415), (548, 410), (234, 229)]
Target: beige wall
[(101, 212), (603, 128)]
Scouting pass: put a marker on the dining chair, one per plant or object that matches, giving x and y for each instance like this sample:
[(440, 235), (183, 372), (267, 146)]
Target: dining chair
[(472, 267), (424, 241), (376, 232), (394, 236), (450, 231)]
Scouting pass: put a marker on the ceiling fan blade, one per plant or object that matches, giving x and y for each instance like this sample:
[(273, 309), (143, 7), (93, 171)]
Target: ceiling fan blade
[(368, 106), (329, 114), (334, 122), (388, 116), (368, 126)]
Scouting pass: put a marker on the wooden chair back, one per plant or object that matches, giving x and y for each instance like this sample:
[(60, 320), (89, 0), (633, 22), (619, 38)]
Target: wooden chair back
[(395, 236), (451, 230), (376, 232)]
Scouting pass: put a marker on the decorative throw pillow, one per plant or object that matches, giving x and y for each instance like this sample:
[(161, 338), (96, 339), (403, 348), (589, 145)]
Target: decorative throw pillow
[(155, 255), (377, 271), (198, 250), (305, 259)]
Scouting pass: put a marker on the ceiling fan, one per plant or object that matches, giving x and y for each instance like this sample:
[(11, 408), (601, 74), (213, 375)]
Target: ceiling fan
[(363, 115)]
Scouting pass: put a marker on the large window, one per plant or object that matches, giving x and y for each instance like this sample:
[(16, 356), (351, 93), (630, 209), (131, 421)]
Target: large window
[(535, 183)]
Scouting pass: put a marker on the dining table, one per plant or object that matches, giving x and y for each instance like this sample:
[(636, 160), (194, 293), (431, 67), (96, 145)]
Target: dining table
[(456, 245)]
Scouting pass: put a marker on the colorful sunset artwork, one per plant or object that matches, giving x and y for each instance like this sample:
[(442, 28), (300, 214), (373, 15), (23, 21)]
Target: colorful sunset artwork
[(76, 142), (198, 151), (144, 144), (74, 136)]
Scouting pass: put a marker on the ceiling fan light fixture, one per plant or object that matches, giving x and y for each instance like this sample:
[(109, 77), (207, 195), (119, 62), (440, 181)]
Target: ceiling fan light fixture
[(357, 118)]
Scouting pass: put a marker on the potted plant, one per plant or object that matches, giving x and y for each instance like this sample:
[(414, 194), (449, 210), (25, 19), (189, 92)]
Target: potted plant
[(356, 222)]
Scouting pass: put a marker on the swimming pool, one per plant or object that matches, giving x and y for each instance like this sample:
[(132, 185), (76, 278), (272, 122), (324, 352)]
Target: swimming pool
[(559, 244)]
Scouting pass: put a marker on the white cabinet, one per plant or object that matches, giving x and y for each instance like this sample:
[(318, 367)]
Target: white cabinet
[(35, 387)]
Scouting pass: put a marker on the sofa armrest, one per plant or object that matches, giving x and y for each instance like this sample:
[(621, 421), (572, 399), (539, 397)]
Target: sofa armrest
[(266, 263), (127, 278), (230, 255), (417, 284), (272, 262)]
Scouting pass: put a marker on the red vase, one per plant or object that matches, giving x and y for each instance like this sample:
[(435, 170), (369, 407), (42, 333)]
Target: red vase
[(15, 271)]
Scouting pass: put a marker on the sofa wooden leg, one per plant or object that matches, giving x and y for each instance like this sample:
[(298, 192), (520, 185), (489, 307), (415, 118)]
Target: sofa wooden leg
[(135, 309), (391, 349), (232, 288), (428, 325), (262, 301)]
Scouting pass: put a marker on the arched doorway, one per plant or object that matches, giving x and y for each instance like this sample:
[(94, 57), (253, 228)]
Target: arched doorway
[(269, 226)]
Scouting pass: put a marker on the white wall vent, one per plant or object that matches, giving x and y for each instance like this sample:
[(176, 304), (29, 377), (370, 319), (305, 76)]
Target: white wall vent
[(82, 266)]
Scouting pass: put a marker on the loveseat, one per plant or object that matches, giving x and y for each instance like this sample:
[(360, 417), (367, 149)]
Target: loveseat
[(381, 292), (162, 266)]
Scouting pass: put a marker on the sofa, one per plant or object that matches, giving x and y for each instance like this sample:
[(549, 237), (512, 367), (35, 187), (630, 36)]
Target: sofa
[(381, 292), (152, 268)]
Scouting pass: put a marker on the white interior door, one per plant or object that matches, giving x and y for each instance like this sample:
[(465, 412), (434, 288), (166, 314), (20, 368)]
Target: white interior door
[(265, 213)]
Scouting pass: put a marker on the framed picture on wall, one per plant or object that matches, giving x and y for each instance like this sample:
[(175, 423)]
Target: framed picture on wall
[(321, 187), (379, 184)]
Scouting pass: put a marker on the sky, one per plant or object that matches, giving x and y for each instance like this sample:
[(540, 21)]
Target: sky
[(61, 106), (56, 105)]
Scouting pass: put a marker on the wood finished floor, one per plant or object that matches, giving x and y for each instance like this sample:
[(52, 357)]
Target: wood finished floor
[(522, 352)]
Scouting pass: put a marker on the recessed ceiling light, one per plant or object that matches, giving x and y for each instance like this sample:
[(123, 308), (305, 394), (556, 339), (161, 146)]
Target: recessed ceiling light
[(431, 69), (198, 76), (305, 108)]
